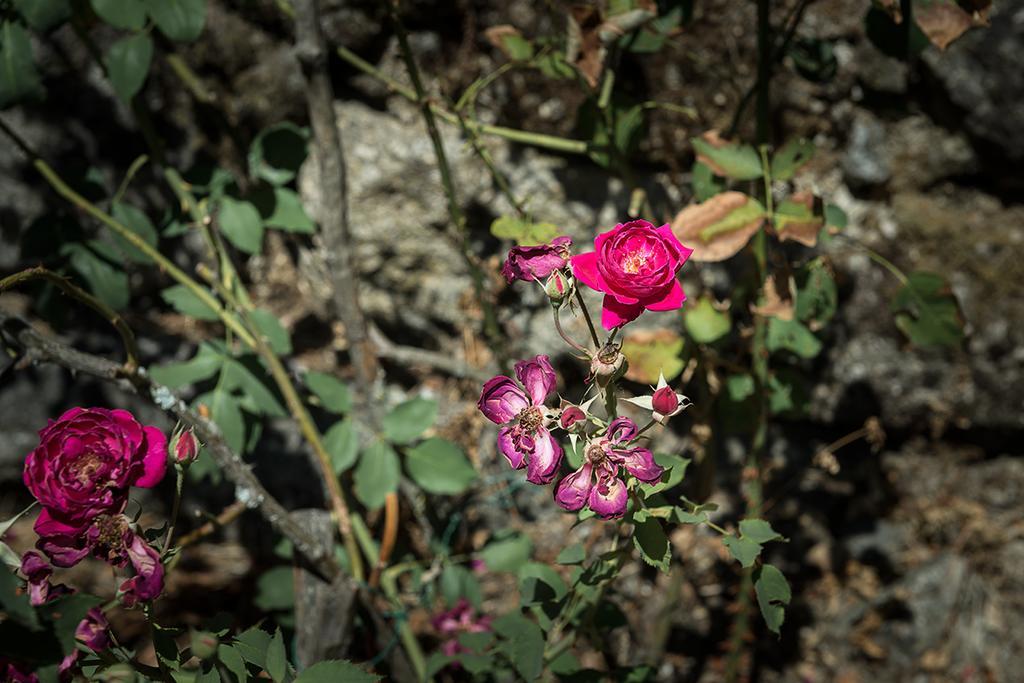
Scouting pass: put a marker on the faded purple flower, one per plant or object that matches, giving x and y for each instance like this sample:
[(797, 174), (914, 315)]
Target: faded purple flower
[(459, 619), (524, 438), (537, 262), (37, 572), (597, 484), (92, 630), (15, 673)]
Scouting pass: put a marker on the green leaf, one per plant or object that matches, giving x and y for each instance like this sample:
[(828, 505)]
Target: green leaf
[(704, 323), (377, 474), (275, 590), (759, 531), (554, 66), (342, 443), (42, 15), (651, 353), (524, 644), (927, 312), (334, 395), (334, 671), (739, 162), (187, 303), (240, 222), (773, 594), (440, 466), (180, 20), (799, 218), (14, 602), (245, 375), (66, 613), (524, 232), (253, 645), (205, 364), (458, 582), (408, 420), (650, 540), (743, 549), (225, 411), (651, 37), (127, 63), (518, 48), (476, 642), (790, 158), (282, 208), (792, 335), (787, 392), (277, 658), (705, 185), (675, 470), (835, 217), (572, 554), (739, 387), (106, 281), (539, 583), (125, 14), (138, 223), (19, 79), (817, 297), (277, 153), (233, 662), (271, 328), (507, 553)]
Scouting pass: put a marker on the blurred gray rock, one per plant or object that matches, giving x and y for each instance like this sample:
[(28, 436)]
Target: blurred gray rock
[(866, 162)]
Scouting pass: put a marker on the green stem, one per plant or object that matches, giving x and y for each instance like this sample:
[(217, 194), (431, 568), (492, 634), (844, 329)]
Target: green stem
[(179, 483), (131, 351), (389, 584), (586, 316), (566, 338)]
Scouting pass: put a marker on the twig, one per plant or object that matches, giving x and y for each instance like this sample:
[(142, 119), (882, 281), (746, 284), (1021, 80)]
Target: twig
[(131, 351), (248, 489), (411, 355)]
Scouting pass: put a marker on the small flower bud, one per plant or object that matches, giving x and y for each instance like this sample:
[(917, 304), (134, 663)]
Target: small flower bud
[(204, 644), (558, 288), (185, 447), (571, 417), (665, 401)]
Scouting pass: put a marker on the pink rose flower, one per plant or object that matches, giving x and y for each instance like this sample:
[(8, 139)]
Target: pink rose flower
[(536, 263), (457, 620), (87, 460), (524, 439), (635, 265), (597, 484)]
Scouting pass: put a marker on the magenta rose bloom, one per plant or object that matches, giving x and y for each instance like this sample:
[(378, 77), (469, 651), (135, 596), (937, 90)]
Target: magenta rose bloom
[(536, 263), (597, 483), (87, 460), (635, 265), (524, 439)]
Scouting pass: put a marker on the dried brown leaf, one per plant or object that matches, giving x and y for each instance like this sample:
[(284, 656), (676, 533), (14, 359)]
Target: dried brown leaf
[(942, 22), (694, 219), (803, 228)]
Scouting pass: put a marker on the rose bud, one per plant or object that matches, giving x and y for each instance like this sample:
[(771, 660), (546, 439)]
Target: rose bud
[(664, 401), (185, 447), (558, 288), (608, 365), (571, 417)]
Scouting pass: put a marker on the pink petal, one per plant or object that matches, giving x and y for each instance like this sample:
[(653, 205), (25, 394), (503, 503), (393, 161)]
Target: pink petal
[(508, 448), (614, 314), (537, 376), (666, 233), (501, 400), (154, 462), (545, 459), (573, 491), (622, 430), (584, 269), (608, 498), (672, 300), (640, 463), (148, 581)]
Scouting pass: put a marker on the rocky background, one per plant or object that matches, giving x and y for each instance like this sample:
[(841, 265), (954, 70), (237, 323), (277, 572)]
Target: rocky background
[(907, 559)]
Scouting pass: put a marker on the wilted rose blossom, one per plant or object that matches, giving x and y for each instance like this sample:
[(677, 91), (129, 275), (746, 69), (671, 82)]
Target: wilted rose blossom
[(37, 572), (87, 460), (597, 484), (92, 630), (459, 619), (524, 439), (635, 265), (109, 538), (15, 673), (536, 263)]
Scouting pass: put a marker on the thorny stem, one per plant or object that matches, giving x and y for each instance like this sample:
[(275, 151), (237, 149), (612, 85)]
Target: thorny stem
[(566, 338), (308, 429), (454, 210), (179, 481), (131, 351), (586, 316)]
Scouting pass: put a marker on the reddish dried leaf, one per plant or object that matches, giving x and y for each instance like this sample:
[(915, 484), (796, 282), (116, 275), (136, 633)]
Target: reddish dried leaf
[(800, 218), (693, 221), (942, 22), (587, 52)]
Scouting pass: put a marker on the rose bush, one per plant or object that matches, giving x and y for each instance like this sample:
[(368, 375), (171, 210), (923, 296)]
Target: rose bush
[(86, 461), (635, 265)]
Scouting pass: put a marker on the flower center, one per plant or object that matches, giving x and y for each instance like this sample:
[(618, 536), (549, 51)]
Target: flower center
[(634, 262), (595, 454), (529, 419), (110, 530), (85, 467)]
